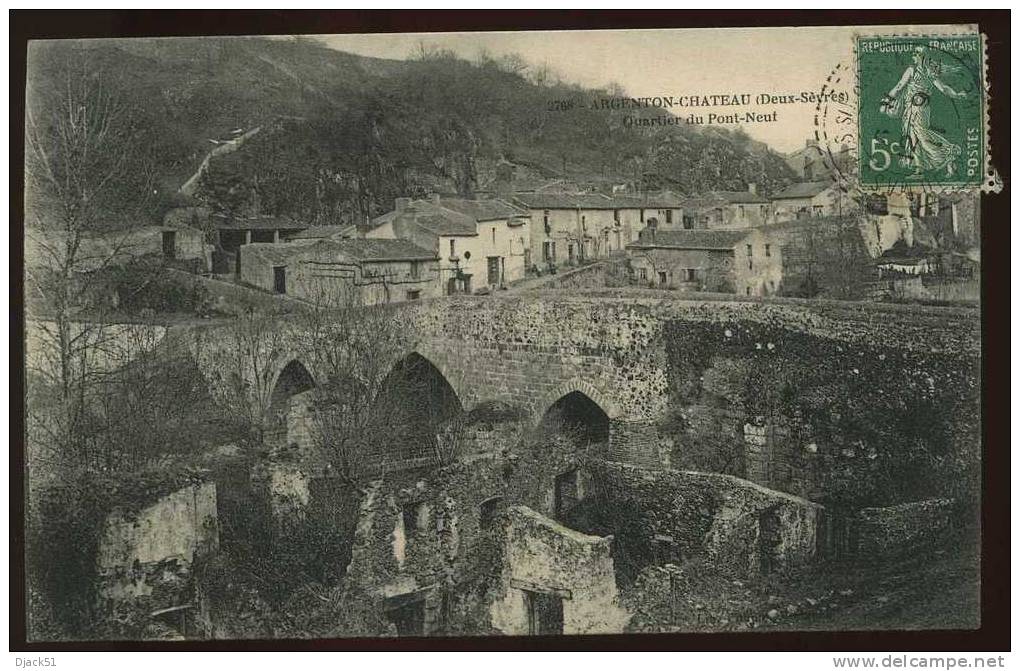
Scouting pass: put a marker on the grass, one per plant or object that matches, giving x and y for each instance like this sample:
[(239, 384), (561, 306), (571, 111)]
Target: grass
[(934, 589)]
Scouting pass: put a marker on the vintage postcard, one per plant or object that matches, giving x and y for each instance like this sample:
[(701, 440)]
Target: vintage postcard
[(504, 333)]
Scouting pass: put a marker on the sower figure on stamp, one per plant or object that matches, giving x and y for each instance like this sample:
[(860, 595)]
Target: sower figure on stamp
[(910, 99)]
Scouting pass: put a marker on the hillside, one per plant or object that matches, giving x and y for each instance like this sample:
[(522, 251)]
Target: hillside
[(341, 135)]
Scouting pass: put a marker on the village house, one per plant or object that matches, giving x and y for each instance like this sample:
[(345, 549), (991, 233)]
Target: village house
[(744, 261), (342, 272), (663, 210), (569, 228), (810, 199), (479, 243), (726, 210)]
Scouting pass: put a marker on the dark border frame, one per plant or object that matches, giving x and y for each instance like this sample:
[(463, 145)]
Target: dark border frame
[(995, 552)]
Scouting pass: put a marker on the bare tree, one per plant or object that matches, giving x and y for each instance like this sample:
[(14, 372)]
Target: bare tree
[(79, 162), (373, 399)]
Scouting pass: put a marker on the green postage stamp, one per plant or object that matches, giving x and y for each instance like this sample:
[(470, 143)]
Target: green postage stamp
[(922, 113)]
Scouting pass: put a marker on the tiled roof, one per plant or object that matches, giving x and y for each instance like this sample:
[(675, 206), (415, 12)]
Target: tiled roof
[(257, 223), (565, 201), (483, 210), (319, 232), (691, 239), (803, 190), (450, 216), (715, 198), (375, 249)]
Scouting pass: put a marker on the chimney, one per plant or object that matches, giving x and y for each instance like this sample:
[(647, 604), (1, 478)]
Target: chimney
[(753, 188), (402, 203)]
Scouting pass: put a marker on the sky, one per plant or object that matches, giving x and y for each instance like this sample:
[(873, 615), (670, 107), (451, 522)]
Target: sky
[(700, 61)]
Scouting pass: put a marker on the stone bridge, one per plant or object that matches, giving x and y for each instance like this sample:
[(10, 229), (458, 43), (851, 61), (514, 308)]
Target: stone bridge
[(533, 349)]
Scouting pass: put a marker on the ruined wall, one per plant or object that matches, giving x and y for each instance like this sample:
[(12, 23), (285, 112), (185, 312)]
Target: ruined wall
[(541, 556), (143, 551), (435, 535), (665, 516)]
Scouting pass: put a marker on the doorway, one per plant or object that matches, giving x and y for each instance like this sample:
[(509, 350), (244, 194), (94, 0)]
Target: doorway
[(544, 612), (280, 279), (170, 244), (567, 494), (492, 268)]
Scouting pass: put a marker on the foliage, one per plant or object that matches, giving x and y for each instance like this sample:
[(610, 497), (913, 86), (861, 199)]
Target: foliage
[(342, 135), (64, 530), (876, 413)]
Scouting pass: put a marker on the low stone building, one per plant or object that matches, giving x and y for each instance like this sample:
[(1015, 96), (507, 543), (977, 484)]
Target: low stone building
[(745, 262), (479, 243), (726, 210), (810, 199), (46, 248), (342, 272)]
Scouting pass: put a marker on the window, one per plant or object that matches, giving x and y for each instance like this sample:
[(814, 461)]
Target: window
[(280, 279), (567, 493), (549, 251), (453, 248), (616, 217), (768, 249), (688, 222), (662, 278), (415, 270), (494, 235), (740, 208), (690, 274), (750, 264), (817, 210), (487, 512), (642, 214), (669, 216), (415, 517), (584, 223), (748, 291), (749, 250), (665, 550), (413, 294), (642, 273), (545, 220)]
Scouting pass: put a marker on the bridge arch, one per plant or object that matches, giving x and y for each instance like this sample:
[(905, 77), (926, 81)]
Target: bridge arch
[(415, 404), (581, 386), (579, 411), (289, 374)]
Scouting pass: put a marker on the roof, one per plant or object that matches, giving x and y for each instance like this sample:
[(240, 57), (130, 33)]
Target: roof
[(692, 239), (362, 249), (483, 210), (803, 190), (810, 222), (256, 223), (319, 232), (565, 201), (716, 198), (450, 216), (379, 249)]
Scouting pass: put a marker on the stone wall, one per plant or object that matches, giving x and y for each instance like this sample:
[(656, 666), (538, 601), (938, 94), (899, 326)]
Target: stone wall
[(543, 557), (153, 549), (664, 516), (634, 353), (898, 530)]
